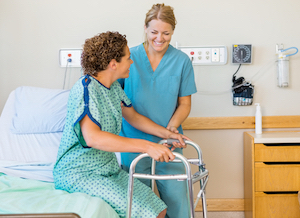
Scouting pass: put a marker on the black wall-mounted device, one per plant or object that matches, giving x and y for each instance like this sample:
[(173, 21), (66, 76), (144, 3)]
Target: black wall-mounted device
[(241, 54)]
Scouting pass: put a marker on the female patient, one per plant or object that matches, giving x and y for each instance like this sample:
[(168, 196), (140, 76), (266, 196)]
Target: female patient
[(86, 162)]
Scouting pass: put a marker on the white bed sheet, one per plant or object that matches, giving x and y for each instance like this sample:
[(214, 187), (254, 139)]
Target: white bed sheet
[(20, 154), (32, 156), (29, 156)]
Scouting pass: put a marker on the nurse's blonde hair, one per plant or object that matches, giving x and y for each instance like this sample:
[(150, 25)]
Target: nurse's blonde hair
[(161, 12)]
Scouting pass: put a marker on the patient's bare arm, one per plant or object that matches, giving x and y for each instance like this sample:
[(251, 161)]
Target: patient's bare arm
[(98, 139)]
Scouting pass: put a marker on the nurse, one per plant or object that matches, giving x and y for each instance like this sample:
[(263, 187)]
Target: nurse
[(160, 87)]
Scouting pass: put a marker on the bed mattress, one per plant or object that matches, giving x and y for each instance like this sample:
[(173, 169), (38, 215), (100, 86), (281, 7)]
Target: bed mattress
[(19, 195)]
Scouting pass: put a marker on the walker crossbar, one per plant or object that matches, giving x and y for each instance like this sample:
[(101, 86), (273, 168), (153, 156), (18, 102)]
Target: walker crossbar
[(160, 177), (201, 176)]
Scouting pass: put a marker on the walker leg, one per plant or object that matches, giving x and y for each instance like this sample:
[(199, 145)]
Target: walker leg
[(204, 207), (191, 198), (153, 173), (129, 194)]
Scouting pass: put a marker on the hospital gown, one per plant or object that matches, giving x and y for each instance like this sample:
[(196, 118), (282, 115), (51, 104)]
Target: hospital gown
[(80, 168)]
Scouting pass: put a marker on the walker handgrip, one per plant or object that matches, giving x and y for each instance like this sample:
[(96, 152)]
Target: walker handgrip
[(170, 141)]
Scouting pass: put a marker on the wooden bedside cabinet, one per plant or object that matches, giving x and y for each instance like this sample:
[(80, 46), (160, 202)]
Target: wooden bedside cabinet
[(272, 174)]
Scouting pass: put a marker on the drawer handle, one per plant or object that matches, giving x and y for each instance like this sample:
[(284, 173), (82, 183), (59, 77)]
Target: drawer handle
[(282, 144), (276, 193), (281, 163)]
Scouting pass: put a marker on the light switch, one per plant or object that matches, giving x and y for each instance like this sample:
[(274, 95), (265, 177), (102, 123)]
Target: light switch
[(215, 55)]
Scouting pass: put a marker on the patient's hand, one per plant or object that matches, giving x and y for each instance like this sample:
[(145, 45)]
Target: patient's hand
[(159, 152)]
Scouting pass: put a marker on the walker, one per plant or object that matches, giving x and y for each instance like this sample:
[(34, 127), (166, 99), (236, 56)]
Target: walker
[(201, 176)]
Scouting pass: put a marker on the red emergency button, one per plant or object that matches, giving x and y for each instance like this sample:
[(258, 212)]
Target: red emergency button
[(69, 55), (192, 53)]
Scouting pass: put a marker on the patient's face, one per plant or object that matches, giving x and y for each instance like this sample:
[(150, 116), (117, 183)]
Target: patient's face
[(124, 64)]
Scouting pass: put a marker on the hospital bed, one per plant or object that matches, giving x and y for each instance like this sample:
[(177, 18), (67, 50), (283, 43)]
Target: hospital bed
[(31, 126)]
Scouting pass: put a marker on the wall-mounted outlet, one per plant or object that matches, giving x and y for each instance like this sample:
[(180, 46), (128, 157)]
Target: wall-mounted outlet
[(70, 57), (206, 55)]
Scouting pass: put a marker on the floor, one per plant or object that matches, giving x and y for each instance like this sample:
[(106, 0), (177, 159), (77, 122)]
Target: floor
[(221, 215)]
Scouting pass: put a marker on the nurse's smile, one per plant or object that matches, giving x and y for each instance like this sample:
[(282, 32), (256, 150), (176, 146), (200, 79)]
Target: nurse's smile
[(158, 43)]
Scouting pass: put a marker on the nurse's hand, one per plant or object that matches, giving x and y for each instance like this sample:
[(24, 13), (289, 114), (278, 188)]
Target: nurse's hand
[(179, 137), (172, 129)]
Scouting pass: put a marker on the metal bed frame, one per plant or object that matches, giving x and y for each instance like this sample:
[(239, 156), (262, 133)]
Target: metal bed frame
[(201, 176)]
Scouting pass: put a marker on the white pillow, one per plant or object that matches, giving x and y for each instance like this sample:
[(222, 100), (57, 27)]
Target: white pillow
[(39, 110)]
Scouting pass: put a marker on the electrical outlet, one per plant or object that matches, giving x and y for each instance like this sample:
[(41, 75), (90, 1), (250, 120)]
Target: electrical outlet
[(70, 57), (206, 55)]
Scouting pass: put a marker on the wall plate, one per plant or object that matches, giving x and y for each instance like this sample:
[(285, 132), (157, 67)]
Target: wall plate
[(241, 53), (206, 55), (72, 54)]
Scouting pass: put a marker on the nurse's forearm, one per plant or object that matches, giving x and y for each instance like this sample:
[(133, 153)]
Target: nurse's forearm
[(181, 113), (144, 124)]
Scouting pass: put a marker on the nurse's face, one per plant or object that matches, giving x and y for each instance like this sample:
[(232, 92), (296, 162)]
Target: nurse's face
[(159, 35), (124, 64)]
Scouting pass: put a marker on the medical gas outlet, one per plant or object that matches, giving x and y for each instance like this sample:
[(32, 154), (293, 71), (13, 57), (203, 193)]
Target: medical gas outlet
[(70, 57), (206, 55)]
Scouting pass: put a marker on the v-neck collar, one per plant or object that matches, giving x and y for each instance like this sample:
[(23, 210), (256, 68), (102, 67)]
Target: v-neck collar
[(147, 61)]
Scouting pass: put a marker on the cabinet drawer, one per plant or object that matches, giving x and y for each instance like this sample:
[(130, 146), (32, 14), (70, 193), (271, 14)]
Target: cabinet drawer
[(275, 152), (276, 205), (277, 177)]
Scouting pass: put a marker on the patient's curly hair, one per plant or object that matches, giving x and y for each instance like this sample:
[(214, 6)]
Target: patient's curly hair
[(99, 50)]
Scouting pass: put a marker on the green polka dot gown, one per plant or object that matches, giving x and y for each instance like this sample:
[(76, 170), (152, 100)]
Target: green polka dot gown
[(80, 168)]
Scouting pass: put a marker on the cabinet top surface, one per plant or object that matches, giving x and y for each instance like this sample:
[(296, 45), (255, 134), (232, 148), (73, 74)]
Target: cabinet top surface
[(276, 137)]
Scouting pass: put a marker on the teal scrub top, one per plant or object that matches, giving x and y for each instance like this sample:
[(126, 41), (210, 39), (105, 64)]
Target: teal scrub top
[(155, 94)]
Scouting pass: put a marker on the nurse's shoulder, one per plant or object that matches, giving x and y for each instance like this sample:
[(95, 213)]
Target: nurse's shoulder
[(137, 50), (178, 52), (179, 55)]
